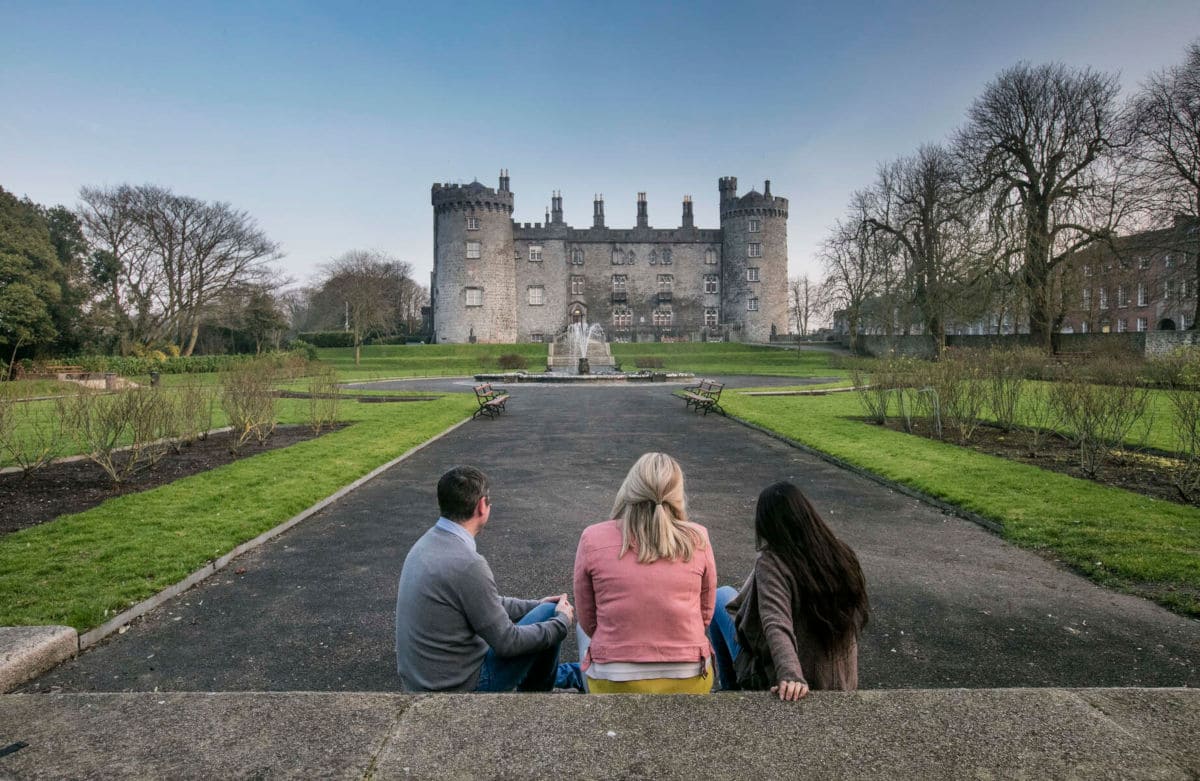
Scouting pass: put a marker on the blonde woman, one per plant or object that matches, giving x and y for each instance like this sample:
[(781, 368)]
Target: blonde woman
[(645, 587)]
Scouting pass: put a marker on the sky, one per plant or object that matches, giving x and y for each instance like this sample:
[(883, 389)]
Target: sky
[(329, 122)]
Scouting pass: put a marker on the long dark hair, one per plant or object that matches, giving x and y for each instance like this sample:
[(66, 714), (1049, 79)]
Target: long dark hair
[(833, 592)]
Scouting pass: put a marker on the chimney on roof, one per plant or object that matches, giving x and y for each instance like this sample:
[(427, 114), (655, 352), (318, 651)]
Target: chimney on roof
[(643, 220), (689, 220), (598, 211)]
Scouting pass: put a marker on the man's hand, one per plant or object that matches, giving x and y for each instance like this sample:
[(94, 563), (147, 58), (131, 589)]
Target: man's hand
[(555, 598), (791, 690), (564, 609)]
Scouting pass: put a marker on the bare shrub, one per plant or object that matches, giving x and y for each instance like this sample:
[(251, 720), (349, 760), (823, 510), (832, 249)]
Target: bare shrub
[(102, 422), (873, 386), (958, 380), (324, 398), (1006, 371), (32, 434), (1179, 376), (188, 414), (1101, 407), (1040, 413), (248, 398)]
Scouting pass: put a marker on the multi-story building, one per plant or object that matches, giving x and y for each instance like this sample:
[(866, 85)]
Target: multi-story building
[(497, 280)]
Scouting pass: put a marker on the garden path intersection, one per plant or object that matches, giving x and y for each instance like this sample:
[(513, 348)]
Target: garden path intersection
[(952, 604)]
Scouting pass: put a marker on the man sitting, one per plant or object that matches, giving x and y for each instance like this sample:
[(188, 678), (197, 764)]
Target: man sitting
[(454, 632)]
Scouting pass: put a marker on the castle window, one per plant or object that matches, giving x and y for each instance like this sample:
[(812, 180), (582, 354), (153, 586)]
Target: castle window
[(653, 257), (535, 254), (472, 223), (752, 304), (710, 257), (630, 258), (665, 281), (754, 250), (535, 337), (576, 286), (1142, 324), (1122, 296), (1170, 289), (577, 256), (472, 250), (710, 317), (755, 225), (1141, 296), (622, 318), (661, 317), (666, 257), (710, 283), (537, 295), (618, 258), (474, 296), (618, 283), (752, 274)]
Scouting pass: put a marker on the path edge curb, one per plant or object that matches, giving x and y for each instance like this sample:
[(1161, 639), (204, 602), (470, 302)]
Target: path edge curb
[(94, 636), (946, 507)]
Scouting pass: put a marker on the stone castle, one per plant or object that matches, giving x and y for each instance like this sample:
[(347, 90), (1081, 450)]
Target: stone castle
[(497, 280)]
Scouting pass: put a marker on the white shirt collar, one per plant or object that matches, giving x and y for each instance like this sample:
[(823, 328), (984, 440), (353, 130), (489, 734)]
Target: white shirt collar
[(445, 524)]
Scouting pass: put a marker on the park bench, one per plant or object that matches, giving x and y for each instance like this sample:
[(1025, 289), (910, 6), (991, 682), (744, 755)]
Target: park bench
[(705, 396), (59, 371), (491, 401)]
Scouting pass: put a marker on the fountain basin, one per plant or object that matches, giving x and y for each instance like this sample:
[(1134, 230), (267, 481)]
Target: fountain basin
[(611, 378)]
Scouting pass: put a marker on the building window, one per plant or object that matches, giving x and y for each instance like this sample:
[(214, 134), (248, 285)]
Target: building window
[(710, 283), (1141, 296), (474, 296), (1104, 298), (754, 250), (1087, 299), (618, 283), (576, 286), (653, 257), (472, 223), (1143, 262), (630, 258), (536, 337), (752, 304), (752, 274), (1168, 261), (1087, 270), (577, 256), (710, 257), (535, 254), (1083, 327), (618, 258), (537, 295), (661, 317), (666, 256), (1170, 289), (1122, 296), (665, 281), (1142, 324), (710, 317), (622, 318), (1122, 325), (1183, 288), (755, 225), (472, 250)]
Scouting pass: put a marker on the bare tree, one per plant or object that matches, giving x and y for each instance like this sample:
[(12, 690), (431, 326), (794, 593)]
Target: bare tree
[(369, 286), (1166, 125), (920, 202), (1039, 143), (853, 258), (805, 302)]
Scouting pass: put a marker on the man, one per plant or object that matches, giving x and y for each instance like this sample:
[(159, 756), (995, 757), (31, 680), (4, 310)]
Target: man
[(454, 632)]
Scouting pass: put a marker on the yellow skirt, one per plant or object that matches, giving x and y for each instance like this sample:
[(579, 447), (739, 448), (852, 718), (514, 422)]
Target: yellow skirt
[(700, 684)]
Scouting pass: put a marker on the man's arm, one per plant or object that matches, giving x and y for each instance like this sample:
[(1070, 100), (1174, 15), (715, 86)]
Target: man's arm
[(517, 608), (490, 620)]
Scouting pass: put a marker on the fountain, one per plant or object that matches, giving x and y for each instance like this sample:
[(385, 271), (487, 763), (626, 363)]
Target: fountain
[(581, 349)]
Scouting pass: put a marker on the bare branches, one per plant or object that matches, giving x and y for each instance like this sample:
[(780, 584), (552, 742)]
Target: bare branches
[(370, 287)]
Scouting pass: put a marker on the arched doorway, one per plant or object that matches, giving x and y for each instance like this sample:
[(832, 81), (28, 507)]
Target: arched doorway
[(1166, 324), (577, 313)]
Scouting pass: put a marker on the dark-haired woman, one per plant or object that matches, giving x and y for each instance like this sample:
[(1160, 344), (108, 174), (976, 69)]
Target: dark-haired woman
[(794, 626)]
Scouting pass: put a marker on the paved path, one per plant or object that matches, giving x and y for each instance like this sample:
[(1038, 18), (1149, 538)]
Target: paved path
[(952, 605)]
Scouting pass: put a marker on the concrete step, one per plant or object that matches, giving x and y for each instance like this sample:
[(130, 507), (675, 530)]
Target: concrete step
[(925, 734)]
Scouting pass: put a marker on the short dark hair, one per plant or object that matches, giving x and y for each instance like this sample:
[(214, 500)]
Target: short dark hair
[(459, 490)]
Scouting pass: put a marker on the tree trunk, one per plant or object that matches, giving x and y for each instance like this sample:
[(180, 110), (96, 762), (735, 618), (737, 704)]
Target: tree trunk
[(357, 351), (191, 344)]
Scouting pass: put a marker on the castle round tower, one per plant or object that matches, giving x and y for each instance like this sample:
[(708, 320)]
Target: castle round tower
[(754, 262), (473, 287)]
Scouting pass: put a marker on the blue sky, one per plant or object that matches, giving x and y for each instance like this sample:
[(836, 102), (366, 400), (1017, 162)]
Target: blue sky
[(330, 121)]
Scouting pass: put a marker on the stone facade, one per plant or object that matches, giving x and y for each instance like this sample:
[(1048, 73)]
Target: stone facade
[(640, 283)]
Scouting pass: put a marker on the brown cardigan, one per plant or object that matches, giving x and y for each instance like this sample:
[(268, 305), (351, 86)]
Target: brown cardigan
[(775, 646)]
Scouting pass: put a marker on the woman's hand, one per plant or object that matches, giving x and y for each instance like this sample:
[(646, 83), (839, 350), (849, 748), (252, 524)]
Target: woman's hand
[(791, 690)]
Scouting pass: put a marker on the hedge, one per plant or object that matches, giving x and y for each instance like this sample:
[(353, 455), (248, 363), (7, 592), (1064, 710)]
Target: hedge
[(328, 338), (131, 366)]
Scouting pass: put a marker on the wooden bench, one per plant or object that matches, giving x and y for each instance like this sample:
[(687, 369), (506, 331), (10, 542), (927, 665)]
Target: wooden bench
[(58, 371), (491, 401), (705, 396)]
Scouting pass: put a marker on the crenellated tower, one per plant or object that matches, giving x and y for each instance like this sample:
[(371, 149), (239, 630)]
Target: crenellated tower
[(753, 261), (473, 285)]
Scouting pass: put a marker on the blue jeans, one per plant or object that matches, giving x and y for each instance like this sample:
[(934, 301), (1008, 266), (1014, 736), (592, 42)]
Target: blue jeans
[(536, 671), (722, 633)]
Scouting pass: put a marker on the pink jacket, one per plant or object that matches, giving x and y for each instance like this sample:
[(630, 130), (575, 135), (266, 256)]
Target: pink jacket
[(657, 612)]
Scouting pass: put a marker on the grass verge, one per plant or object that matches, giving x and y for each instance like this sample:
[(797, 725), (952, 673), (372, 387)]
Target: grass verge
[(80, 569), (1117, 538)]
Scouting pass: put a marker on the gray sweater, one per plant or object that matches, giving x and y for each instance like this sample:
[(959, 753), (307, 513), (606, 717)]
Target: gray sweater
[(448, 613)]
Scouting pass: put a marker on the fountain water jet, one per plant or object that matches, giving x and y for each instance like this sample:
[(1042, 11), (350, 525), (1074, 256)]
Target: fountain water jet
[(579, 349)]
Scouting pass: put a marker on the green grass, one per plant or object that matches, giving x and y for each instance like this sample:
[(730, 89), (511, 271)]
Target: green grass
[(728, 358), (79, 570), (31, 389), (1117, 538)]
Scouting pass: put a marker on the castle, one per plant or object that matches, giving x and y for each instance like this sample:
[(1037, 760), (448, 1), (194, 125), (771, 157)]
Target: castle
[(497, 280)]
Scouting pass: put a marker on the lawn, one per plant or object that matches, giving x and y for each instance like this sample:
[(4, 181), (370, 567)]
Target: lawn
[(79, 570), (1115, 537)]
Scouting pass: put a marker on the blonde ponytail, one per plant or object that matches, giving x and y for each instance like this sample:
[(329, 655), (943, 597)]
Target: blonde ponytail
[(652, 511)]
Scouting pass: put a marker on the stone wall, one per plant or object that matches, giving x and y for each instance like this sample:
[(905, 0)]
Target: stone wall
[(1148, 343)]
